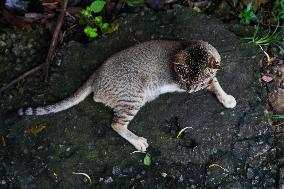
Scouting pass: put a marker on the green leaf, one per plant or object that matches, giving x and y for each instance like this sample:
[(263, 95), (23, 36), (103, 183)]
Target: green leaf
[(197, 9), (91, 32), (249, 6), (164, 175), (105, 27), (133, 3), (247, 15), (97, 6), (87, 12), (147, 160), (277, 116), (98, 20), (252, 15)]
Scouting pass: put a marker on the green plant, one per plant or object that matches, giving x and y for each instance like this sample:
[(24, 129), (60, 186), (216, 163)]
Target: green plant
[(247, 15), (278, 9), (271, 38), (94, 24), (277, 116), (147, 159), (133, 3)]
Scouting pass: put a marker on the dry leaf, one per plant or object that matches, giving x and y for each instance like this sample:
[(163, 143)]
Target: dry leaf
[(35, 129), (266, 78)]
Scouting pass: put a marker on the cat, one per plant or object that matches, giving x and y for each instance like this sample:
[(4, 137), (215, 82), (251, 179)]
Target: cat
[(139, 74)]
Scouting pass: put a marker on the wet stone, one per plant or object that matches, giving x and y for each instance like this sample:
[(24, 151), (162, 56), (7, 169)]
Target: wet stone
[(250, 173), (108, 180), (116, 170), (237, 139), (127, 170), (281, 177)]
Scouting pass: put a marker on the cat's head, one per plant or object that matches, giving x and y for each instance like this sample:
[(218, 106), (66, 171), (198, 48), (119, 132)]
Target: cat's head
[(196, 64)]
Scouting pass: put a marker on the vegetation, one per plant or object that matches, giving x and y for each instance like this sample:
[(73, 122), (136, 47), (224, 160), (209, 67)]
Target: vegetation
[(247, 15), (133, 3), (147, 159), (271, 38), (94, 24), (278, 9), (277, 116)]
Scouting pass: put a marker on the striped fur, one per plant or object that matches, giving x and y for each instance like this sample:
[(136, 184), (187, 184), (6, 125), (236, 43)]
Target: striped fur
[(139, 74), (76, 98)]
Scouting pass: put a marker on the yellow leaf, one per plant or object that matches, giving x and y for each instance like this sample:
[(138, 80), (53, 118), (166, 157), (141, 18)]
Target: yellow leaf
[(217, 165), (181, 131), (84, 174), (35, 129), (266, 54), (164, 175), (137, 152)]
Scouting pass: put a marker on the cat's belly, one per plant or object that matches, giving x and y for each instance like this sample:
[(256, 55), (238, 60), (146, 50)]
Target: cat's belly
[(154, 92)]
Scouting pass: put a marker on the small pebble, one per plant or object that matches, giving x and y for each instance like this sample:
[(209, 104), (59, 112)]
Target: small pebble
[(40, 147), (127, 170), (116, 170), (108, 180), (180, 179), (30, 178), (250, 173)]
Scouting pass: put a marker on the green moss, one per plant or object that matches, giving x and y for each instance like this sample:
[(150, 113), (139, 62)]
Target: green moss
[(76, 56)]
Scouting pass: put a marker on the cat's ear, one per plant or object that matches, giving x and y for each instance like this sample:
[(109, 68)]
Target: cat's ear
[(181, 58), (212, 63)]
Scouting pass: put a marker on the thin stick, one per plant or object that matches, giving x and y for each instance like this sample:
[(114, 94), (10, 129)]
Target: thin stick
[(22, 77), (50, 51), (3, 141), (54, 40)]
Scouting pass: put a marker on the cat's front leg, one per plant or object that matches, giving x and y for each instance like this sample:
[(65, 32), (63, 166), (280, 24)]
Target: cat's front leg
[(122, 117), (227, 100)]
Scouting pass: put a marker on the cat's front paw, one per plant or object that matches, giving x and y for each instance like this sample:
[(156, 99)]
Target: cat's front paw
[(229, 101), (141, 144)]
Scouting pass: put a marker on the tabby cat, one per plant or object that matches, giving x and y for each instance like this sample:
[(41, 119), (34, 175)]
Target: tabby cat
[(139, 74)]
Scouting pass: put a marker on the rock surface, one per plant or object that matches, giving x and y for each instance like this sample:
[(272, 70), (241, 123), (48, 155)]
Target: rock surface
[(238, 141)]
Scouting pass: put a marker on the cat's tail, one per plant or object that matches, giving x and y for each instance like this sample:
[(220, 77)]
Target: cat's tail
[(76, 98)]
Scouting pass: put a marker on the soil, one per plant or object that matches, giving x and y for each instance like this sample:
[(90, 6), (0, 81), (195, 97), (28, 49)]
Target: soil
[(240, 141)]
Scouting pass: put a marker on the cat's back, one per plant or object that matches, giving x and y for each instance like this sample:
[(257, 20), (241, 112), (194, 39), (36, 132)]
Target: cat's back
[(150, 58), (136, 70)]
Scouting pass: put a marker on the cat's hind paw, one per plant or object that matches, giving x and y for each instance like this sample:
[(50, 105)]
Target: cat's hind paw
[(229, 101), (141, 144)]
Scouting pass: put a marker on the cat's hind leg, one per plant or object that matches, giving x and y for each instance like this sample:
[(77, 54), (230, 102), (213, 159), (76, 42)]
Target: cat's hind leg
[(123, 114), (227, 100)]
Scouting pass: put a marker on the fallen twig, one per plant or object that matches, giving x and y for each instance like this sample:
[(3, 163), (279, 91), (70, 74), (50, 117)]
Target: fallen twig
[(49, 54), (54, 40), (3, 141), (22, 77), (199, 4)]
